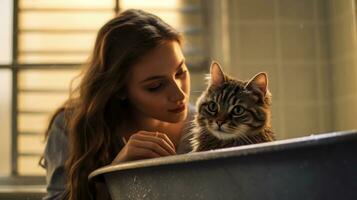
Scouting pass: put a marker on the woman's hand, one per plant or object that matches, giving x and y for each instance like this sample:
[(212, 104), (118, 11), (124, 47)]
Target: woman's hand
[(145, 144)]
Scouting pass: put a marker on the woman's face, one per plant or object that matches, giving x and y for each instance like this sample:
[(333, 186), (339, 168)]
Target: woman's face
[(159, 84)]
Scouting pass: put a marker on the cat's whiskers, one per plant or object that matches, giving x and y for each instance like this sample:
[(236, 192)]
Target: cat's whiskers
[(242, 131), (249, 140), (241, 137)]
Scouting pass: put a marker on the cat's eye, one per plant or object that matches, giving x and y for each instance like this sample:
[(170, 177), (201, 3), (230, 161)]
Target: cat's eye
[(237, 111), (212, 107)]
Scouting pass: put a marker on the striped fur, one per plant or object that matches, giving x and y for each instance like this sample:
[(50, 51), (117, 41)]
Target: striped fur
[(232, 112)]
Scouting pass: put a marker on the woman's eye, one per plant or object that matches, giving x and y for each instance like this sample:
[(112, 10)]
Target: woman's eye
[(237, 111), (155, 87), (181, 73), (212, 107)]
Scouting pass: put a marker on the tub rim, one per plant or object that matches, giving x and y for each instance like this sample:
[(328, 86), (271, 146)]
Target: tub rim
[(278, 145)]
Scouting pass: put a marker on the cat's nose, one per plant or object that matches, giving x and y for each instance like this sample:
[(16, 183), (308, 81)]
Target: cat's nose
[(219, 123)]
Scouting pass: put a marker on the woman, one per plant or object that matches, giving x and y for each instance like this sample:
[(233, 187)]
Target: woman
[(132, 103)]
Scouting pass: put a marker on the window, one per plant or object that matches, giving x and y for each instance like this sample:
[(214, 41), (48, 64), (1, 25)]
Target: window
[(46, 60), (6, 86)]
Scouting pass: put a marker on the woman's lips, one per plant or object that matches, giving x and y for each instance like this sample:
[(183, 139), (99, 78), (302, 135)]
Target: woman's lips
[(178, 109)]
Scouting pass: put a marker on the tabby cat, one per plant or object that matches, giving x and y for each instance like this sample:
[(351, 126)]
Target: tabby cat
[(231, 112)]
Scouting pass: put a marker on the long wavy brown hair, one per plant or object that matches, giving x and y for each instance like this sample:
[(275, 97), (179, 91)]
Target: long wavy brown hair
[(94, 109)]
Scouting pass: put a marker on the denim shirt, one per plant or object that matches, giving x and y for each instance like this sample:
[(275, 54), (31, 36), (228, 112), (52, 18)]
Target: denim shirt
[(56, 153)]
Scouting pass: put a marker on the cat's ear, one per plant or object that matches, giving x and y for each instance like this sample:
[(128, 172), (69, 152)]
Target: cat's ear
[(260, 80), (217, 75)]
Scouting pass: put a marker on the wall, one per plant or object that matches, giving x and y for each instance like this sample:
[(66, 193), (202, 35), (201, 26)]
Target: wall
[(293, 42), (342, 26), (288, 40), (308, 49)]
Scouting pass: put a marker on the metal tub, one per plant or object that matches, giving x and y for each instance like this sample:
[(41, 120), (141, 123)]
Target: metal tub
[(315, 167)]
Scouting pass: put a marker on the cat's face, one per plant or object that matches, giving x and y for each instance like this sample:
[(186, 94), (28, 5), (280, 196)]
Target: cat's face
[(231, 108)]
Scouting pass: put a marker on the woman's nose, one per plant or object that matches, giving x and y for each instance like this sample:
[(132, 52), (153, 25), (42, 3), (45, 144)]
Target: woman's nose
[(176, 92)]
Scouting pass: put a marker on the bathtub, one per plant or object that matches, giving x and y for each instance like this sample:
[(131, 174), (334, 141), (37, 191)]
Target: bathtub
[(320, 166)]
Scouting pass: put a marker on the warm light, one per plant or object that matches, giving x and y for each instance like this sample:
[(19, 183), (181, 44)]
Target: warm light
[(109, 4), (35, 79), (64, 20), (150, 4)]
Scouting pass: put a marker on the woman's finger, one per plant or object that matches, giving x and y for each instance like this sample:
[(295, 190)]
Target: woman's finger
[(166, 138), (152, 146), (160, 135), (133, 151), (142, 153), (162, 142)]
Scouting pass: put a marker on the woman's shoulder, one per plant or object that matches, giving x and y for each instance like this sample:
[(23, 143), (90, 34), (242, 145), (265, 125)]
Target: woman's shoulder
[(57, 133), (55, 156), (59, 120)]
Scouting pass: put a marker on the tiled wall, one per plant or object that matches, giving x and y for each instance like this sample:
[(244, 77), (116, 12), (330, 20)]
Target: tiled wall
[(342, 20), (295, 41)]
